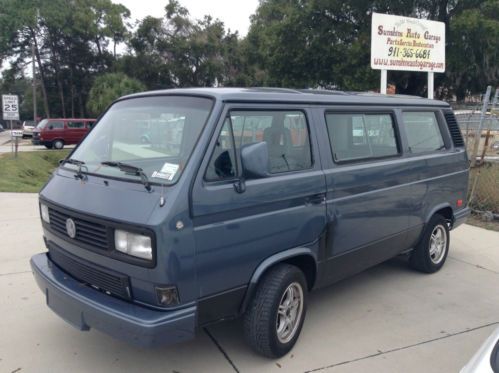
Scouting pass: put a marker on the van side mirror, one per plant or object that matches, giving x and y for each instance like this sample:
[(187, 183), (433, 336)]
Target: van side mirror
[(255, 160)]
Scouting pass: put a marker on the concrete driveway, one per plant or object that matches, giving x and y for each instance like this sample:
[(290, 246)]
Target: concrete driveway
[(387, 319)]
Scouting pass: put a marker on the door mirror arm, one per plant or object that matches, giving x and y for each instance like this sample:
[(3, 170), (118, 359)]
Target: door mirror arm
[(240, 185)]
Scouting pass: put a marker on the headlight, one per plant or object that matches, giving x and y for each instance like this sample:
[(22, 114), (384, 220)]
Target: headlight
[(45, 213), (133, 244)]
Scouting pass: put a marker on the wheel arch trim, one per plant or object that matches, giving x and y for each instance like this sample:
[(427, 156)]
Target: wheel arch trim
[(270, 262)]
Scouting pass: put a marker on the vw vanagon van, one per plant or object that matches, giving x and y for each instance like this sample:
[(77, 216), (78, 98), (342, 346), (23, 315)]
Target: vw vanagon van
[(55, 133), (239, 203)]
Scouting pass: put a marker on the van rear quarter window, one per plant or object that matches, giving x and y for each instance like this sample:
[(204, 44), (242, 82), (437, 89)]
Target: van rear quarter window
[(423, 132), (355, 136)]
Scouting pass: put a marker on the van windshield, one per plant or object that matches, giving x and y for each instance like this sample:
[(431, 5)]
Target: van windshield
[(156, 134), (42, 124)]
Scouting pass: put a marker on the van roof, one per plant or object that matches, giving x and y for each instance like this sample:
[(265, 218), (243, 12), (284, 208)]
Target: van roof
[(306, 96)]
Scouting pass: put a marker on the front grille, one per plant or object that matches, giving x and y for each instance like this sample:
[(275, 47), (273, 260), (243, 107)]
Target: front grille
[(89, 233), (454, 130), (112, 283)]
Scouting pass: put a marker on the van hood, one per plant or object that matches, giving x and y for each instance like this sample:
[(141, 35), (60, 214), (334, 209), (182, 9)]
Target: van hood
[(106, 198)]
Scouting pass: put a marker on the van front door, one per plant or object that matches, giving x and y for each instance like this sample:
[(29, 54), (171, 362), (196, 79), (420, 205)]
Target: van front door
[(236, 231)]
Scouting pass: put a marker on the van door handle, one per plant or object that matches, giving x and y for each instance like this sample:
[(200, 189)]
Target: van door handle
[(316, 199)]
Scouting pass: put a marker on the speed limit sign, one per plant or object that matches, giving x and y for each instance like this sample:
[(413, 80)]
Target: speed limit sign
[(10, 107)]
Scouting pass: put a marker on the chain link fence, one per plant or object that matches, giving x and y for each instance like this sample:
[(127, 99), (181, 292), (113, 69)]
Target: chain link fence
[(480, 129)]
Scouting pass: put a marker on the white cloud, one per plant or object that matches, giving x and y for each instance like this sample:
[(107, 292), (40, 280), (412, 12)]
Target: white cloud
[(233, 13)]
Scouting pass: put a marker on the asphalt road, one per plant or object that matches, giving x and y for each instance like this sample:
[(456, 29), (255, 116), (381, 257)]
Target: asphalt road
[(387, 319)]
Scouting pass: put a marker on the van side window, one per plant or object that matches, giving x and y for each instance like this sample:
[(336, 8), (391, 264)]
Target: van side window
[(356, 136), (222, 164), (286, 134), (423, 133), (55, 125), (90, 124), (76, 124)]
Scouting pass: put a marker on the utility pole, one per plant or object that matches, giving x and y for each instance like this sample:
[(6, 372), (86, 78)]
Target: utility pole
[(34, 82)]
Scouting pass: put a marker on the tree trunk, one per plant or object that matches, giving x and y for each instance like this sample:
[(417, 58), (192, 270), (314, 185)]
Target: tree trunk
[(42, 75), (72, 92), (80, 102), (58, 80)]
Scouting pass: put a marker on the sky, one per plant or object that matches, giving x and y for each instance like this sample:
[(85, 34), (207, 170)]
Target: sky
[(233, 13)]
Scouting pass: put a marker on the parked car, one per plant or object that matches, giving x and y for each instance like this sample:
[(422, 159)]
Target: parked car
[(253, 199), (55, 133), (486, 359), (28, 127)]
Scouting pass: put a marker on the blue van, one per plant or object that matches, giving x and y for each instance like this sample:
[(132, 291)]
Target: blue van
[(241, 202)]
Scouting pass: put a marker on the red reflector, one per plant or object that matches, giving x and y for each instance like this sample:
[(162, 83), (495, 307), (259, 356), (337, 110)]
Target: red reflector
[(459, 202)]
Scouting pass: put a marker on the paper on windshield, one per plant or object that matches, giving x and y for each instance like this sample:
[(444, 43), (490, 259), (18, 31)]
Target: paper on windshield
[(167, 172)]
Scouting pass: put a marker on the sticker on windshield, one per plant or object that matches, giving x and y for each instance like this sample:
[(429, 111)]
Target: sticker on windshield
[(167, 172)]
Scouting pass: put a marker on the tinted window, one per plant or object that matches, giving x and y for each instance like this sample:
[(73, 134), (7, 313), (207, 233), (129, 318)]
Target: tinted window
[(76, 124), (90, 124), (423, 133), (55, 125), (357, 135), (286, 134)]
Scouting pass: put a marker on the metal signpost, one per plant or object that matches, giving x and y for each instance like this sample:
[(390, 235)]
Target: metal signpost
[(411, 44), (10, 109)]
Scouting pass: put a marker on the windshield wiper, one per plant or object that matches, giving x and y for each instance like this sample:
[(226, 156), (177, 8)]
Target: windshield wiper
[(130, 169), (76, 162)]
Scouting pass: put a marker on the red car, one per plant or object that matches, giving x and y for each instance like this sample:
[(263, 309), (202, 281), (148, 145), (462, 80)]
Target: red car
[(55, 133)]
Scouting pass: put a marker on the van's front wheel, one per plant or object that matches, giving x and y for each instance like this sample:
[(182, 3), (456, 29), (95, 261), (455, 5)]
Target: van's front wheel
[(275, 315), (430, 253)]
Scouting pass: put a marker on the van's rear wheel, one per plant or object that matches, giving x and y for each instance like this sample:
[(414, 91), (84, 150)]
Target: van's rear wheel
[(58, 144), (275, 315), (431, 252)]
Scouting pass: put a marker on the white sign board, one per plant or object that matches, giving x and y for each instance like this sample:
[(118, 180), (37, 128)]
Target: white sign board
[(403, 43), (10, 107)]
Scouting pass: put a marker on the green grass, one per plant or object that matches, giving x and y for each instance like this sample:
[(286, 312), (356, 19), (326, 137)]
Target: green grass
[(29, 172)]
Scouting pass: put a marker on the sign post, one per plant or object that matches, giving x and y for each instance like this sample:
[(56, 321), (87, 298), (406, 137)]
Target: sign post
[(411, 44), (10, 109)]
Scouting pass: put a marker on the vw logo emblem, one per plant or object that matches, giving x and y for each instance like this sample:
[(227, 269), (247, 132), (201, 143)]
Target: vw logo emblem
[(71, 228)]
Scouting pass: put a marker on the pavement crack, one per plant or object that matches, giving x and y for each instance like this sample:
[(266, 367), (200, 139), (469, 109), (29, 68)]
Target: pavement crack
[(474, 265), (14, 273), (379, 353), (220, 348)]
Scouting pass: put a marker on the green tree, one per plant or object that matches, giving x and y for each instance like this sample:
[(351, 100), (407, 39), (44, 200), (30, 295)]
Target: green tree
[(109, 87)]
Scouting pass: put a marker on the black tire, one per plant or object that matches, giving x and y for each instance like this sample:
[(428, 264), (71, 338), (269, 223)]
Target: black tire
[(48, 146), (58, 144), (261, 317), (422, 258)]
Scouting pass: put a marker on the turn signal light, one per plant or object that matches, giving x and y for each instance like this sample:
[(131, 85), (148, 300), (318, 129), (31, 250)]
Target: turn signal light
[(459, 203), (167, 295)]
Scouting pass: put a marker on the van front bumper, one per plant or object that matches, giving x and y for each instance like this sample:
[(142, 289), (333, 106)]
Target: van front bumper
[(86, 308), (460, 217)]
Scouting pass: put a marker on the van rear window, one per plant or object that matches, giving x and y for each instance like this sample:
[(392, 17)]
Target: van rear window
[(355, 136)]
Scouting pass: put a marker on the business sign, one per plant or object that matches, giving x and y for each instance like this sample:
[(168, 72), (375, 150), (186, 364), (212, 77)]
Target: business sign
[(403, 43), (10, 107)]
